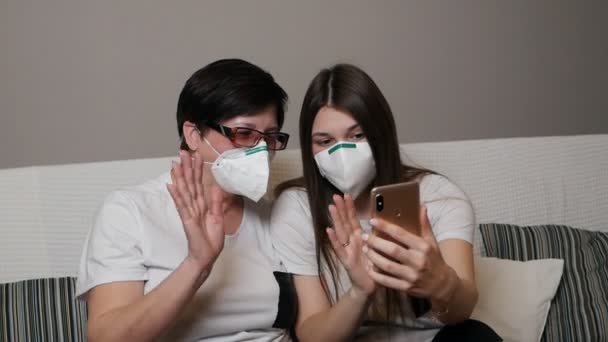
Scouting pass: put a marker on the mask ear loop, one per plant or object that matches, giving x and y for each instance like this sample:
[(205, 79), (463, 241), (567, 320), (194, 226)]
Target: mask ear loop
[(208, 143), (214, 150)]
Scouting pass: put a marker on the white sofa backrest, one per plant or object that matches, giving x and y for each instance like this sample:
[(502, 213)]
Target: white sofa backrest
[(562, 180), (46, 212)]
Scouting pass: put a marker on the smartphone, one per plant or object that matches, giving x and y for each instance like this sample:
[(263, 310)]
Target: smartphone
[(398, 204)]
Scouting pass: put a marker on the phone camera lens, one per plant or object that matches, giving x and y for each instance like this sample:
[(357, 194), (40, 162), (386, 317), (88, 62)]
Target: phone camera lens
[(379, 203)]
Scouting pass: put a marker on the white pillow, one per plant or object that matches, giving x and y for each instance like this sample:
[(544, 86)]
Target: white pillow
[(515, 296)]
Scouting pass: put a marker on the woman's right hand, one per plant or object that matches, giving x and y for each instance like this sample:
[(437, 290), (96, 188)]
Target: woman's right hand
[(345, 238), (203, 220)]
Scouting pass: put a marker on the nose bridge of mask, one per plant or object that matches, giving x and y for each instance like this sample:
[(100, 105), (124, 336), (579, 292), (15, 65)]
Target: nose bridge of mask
[(236, 152), (260, 147), (340, 151), (341, 145), (243, 157)]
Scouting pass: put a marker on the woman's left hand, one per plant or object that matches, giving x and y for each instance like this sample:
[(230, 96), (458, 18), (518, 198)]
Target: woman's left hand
[(410, 263)]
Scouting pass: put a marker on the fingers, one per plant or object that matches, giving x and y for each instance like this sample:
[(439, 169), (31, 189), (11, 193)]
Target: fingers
[(199, 195), (397, 252), (335, 243), (177, 175), (180, 204), (182, 209), (400, 234), (336, 218), (215, 201), (188, 178), (409, 249), (351, 213), (342, 212), (214, 217), (186, 160), (389, 281), (391, 267)]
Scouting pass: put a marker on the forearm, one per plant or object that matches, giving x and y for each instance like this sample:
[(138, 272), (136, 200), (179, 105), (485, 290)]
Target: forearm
[(339, 323), (154, 313), (456, 302)]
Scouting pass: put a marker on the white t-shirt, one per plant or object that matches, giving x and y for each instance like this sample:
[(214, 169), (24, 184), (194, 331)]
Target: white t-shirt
[(450, 214), (138, 235)]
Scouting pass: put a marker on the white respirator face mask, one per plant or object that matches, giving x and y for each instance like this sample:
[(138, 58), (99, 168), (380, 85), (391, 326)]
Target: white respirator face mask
[(350, 167), (242, 171)]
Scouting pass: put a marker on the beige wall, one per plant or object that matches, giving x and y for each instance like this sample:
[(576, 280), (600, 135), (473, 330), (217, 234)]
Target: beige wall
[(98, 80)]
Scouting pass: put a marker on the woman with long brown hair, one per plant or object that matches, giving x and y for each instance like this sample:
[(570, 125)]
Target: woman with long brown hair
[(350, 283)]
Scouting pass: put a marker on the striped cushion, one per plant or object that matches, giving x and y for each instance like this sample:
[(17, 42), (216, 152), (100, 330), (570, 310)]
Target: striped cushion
[(41, 310), (579, 310)]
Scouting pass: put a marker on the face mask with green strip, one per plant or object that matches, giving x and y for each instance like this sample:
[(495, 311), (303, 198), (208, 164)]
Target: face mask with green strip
[(348, 166), (242, 171)]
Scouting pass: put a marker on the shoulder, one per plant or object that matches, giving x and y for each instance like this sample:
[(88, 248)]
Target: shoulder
[(155, 188), (292, 232), (449, 210), (295, 198), (291, 212), (128, 204), (436, 187), (117, 205), (151, 193)]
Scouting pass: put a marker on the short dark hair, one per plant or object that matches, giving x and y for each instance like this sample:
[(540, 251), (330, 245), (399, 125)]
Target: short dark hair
[(225, 89)]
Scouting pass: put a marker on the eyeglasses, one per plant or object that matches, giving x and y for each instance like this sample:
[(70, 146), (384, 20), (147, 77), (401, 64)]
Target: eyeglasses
[(249, 137)]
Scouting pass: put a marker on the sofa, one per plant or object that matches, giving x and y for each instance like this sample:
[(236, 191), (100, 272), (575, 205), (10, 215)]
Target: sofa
[(541, 245)]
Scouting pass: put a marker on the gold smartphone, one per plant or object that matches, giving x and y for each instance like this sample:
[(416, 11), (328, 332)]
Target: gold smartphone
[(398, 204)]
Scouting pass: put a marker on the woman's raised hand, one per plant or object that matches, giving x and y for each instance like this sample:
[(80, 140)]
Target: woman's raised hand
[(202, 219), (346, 241)]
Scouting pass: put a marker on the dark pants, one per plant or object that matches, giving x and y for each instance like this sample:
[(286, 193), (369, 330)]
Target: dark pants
[(469, 330)]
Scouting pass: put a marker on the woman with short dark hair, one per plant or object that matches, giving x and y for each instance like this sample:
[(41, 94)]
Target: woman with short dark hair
[(187, 256)]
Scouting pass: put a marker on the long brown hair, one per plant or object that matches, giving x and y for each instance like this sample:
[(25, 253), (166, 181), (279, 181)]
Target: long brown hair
[(348, 89)]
